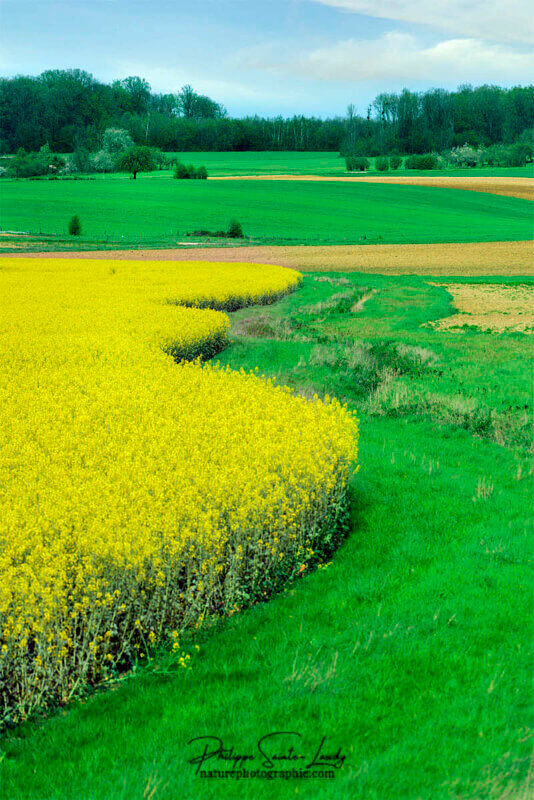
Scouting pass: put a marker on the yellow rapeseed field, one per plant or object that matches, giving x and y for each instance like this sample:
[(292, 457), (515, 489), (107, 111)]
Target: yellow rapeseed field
[(138, 495), (490, 306)]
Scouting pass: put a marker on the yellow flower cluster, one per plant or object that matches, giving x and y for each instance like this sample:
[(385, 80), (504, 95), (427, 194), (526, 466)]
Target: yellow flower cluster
[(139, 496)]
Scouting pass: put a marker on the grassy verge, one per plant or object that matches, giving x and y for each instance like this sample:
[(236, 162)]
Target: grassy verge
[(411, 650)]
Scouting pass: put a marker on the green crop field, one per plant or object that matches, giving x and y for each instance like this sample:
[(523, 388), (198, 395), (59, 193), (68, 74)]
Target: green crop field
[(410, 651), (314, 163), (266, 163), (279, 212)]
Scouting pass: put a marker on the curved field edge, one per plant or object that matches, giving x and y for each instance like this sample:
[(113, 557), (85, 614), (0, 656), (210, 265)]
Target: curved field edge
[(141, 497), (410, 651)]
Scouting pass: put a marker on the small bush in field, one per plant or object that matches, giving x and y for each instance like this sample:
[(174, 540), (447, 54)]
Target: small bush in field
[(382, 164), (235, 231), (75, 226), (357, 163), (395, 162), (181, 171), (426, 161), (189, 171)]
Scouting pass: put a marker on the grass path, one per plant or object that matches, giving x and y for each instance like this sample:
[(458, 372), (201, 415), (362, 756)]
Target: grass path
[(410, 651)]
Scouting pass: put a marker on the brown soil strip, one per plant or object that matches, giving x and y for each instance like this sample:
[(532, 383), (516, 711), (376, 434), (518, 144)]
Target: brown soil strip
[(511, 187), (474, 258), (489, 307)]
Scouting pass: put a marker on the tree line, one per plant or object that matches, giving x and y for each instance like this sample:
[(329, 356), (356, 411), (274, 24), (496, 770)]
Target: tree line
[(69, 110)]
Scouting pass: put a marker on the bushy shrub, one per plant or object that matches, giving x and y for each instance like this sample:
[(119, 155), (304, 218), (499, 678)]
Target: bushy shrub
[(496, 155), (75, 226), (102, 161), (188, 171), (29, 165), (181, 171), (520, 154), (425, 161), (235, 231), (357, 163), (395, 162), (382, 164), (465, 156)]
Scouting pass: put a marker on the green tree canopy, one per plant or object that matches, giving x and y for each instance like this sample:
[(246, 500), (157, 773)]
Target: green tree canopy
[(136, 159)]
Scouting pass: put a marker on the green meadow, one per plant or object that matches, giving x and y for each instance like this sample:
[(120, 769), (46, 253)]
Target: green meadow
[(122, 210), (328, 163), (315, 163), (410, 648)]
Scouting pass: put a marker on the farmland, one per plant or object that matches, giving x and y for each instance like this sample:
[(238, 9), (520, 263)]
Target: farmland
[(488, 307), (472, 258), (76, 563), (313, 163), (411, 644), (496, 184), (280, 212), (398, 619), (328, 163)]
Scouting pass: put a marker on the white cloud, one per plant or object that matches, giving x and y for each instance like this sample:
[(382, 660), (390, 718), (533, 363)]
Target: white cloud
[(171, 79), (499, 20), (401, 58)]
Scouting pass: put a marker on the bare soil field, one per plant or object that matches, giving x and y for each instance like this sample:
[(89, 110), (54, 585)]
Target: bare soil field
[(471, 259), (489, 307), (511, 187)]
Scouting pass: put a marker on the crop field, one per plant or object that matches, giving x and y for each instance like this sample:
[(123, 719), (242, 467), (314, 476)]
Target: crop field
[(411, 644), (311, 163), (149, 496), (266, 163), (271, 212), (278, 484), (471, 258), (522, 187), (490, 307)]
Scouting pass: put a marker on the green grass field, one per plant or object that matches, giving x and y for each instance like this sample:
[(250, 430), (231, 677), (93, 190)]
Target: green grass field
[(279, 212), (307, 163), (411, 650), (315, 163)]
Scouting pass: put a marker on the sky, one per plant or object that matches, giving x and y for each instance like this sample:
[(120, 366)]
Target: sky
[(272, 57)]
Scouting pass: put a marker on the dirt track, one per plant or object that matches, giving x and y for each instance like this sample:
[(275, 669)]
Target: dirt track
[(511, 187), (476, 258)]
